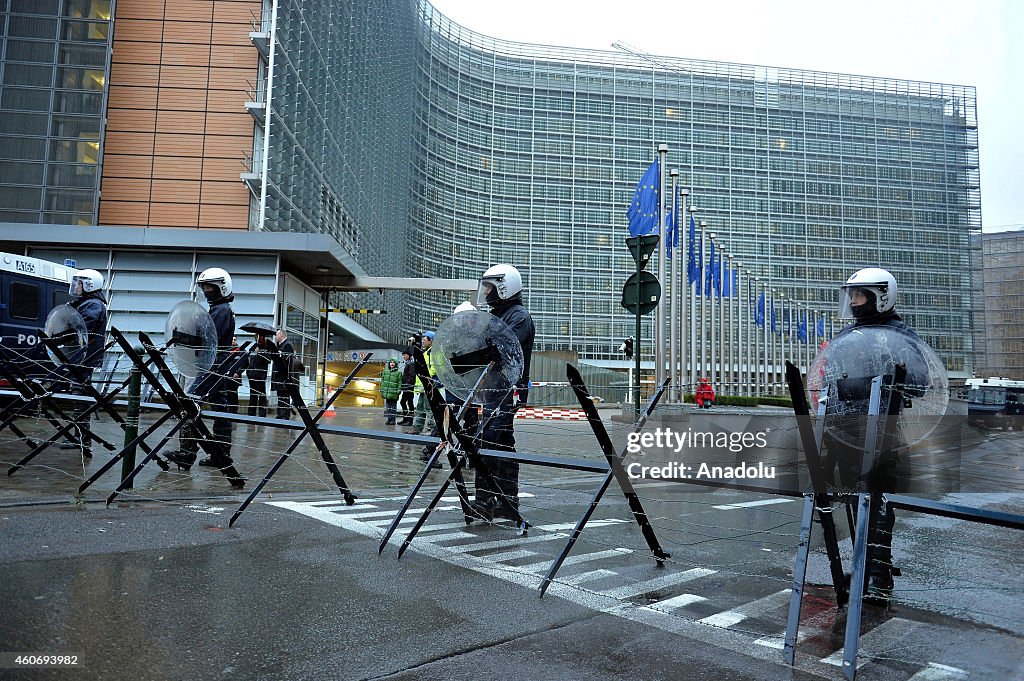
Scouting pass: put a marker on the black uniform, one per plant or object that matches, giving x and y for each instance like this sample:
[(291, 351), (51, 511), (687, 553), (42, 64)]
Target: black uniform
[(883, 476), (259, 364), (93, 308), (282, 376), (498, 433), (224, 323)]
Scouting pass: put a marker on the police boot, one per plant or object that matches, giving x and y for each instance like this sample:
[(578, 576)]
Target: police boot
[(482, 509), (183, 458), (509, 508), (220, 456), (879, 587)]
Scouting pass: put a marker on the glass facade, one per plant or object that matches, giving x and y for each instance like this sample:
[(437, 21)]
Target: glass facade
[(530, 155), (340, 133), (54, 65), (1003, 257)]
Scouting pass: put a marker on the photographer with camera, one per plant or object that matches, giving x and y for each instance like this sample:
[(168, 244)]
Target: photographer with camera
[(424, 420)]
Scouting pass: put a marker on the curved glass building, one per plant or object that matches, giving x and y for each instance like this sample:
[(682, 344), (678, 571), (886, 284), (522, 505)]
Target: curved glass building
[(530, 155)]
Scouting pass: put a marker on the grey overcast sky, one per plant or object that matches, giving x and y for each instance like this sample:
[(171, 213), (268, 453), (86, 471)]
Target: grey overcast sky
[(978, 42)]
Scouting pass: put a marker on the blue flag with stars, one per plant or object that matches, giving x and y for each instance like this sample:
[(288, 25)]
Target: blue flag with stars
[(692, 268), (760, 309), (672, 228), (643, 212)]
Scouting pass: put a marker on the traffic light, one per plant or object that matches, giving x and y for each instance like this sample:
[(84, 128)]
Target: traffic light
[(627, 347)]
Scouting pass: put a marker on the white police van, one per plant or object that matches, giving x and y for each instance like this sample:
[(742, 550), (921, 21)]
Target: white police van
[(29, 289)]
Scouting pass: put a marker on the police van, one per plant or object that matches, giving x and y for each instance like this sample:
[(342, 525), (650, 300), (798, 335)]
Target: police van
[(29, 289)]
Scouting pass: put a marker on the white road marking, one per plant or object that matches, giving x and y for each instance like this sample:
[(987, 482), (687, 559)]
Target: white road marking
[(509, 555), (737, 615), (939, 672), (630, 590), (881, 639), (752, 504), (676, 602), (584, 577), (561, 527), (544, 565)]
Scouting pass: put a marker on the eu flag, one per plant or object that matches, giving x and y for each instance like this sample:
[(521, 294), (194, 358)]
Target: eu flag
[(672, 228), (775, 326), (821, 327), (699, 269), (801, 331), (760, 309), (726, 280), (692, 269), (643, 212), (710, 277)]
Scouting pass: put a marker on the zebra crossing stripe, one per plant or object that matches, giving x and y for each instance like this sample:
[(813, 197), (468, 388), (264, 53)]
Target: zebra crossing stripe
[(543, 565), (737, 615), (590, 576), (676, 602), (878, 640), (509, 555), (630, 590), (939, 672), (752, 504)]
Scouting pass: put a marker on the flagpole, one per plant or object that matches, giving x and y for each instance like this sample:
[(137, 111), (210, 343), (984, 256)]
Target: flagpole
[(673, 306), (741, 332), (752, 333), (713, 330), (732, 367), (774, 340), (684, 343), (691, 372), (763, 334), (702, 278), (659, 313)]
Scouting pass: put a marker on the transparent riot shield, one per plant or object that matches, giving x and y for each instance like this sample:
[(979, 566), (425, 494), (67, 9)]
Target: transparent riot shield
[(191, 338)]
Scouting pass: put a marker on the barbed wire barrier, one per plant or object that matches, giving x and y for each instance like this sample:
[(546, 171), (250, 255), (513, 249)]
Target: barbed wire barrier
[(695, 542)]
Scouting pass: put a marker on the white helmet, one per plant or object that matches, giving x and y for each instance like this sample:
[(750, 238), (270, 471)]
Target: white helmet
[(85, 281), (879, 286), (217, 277), (499, 282), (464, 306)]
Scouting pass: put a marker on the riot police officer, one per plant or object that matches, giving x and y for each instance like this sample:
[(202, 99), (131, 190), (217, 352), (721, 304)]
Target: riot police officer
[(216, 286), (869, 297), (501, 289), (86, 292)]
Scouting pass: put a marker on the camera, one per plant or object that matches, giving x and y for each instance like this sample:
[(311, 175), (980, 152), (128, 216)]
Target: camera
[(416, 339)]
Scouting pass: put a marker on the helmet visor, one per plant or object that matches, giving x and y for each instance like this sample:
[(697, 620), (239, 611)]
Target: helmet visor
[(77, 286), (487, 292), (851, 296)]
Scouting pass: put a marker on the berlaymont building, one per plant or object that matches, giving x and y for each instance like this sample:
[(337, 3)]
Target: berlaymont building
[(326, 151)]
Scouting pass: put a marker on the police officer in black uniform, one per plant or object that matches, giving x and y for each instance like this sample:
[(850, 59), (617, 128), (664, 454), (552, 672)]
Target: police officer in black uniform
[(216, 286), (501, 288), (869, 297), (86, 292)]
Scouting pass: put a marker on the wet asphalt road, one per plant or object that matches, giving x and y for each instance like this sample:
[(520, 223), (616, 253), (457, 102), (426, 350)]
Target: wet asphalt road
[(158, 587)]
